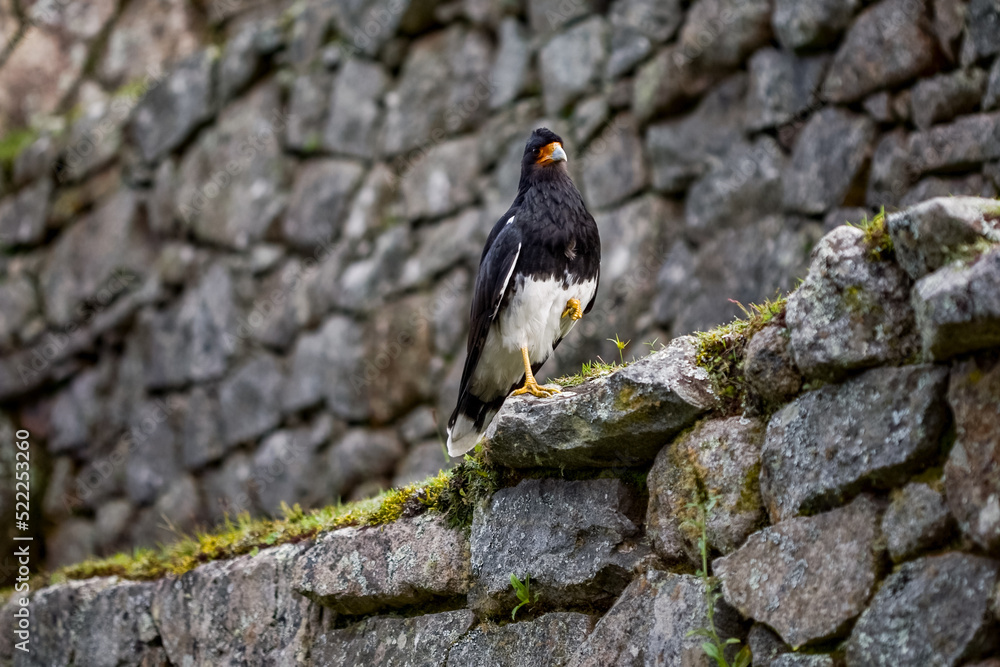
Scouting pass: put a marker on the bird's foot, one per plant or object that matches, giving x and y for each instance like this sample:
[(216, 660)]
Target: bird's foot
[(535, 389), (573, 309)]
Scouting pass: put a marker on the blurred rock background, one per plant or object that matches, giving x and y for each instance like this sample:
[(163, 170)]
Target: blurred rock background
[(239, 238)]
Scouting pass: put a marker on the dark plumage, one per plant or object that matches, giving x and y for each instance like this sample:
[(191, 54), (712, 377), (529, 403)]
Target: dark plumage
[(537, 276)]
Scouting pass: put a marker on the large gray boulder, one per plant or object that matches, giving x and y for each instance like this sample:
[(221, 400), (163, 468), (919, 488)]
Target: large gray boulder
[(622, 419), (571, 62), (649, 625), (169, 113), (357, 571), (800, 24), (807, 577), (932, 611), (886, 46), (828, 159), (958, 307), (420, 641), (578, 541), (929, 235), (720, 457), (207, 615), (970, 475), (872, 431), (852, 311), (548, 641), (916, 520)]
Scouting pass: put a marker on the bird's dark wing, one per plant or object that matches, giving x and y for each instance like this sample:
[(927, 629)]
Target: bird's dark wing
[(497, 228), (494, 279), (597, 286)]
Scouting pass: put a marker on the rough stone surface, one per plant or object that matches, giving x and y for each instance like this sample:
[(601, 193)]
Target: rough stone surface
[(97, 258), (354, 109), (971, 483), (925, 237), (548, 641), (765, 645), (959, 145), (622, 419), (233, 180), (827, 161), (870, 432), (614, 168), (945, 96), (23, 216), (691, 284), (382, 640), (441, 73), (319, 202), (649, 625), (636, 27), (957, 307), (188, 342), (946, 597), (861, 305), (682, 150), (739, 190), (793, 660), (570, 62), (807, 577), (720, 457), (801, 24), (170, 112), (579, 541), (769, 366), (323, 364), (250, 400), (442, 181), (982, 27), (357, 571), (916, 520), (206, 615), (886, 46), (782, 86)]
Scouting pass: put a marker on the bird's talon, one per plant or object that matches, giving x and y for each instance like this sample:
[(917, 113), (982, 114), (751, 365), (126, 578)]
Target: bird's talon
[(573, 309), (535, 389)]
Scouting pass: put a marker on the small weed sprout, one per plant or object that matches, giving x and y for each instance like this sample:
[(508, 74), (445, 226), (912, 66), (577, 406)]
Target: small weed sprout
[(651, 343), (523, 591), (876, 236), (713, 646), (621, 347)]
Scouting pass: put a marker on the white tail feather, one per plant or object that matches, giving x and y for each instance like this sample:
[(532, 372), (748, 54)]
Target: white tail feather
[(462, 436)]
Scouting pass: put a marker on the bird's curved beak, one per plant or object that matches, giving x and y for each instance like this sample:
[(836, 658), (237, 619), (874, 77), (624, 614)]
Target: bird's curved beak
[(552, 153)]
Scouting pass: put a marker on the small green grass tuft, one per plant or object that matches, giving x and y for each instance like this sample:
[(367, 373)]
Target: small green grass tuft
[(721, 353), (523, 592), (877, 236), (588, 371)]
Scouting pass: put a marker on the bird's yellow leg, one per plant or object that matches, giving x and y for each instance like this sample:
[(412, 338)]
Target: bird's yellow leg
[(530, 385), (573, 309)]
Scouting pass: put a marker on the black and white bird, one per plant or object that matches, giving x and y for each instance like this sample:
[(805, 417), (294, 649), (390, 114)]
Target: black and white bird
[(538, 275)]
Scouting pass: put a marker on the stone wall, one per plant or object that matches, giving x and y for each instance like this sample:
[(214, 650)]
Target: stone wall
[(854, 518), (239, 238)]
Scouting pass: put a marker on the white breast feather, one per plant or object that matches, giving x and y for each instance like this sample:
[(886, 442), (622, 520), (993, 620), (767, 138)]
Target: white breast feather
[(532, 319)]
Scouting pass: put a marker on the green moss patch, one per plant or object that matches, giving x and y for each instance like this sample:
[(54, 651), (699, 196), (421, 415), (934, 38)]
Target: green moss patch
[(589, 371), (453, 494), (721, 352), (877, 236)]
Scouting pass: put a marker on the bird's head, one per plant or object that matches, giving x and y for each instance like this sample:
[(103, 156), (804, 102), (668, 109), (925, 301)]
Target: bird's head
[(544, 150)]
